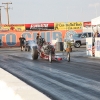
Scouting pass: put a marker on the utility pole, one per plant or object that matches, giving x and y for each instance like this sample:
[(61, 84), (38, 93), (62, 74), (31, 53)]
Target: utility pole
[(7, 3), (0, 14)]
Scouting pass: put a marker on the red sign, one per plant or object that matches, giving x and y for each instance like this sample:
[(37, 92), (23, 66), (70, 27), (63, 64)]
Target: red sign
[(86, 24), (39, 26)]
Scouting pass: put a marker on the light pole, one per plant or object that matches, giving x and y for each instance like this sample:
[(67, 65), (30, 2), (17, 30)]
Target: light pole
[(7, 9), (0, 14)]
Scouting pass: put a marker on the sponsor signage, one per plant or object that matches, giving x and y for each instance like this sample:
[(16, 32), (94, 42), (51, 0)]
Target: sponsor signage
[(89, 46), (85, 24), (11, 38), (13, 27), (40, 26), (60, 26), (74, 25), (0, 26)]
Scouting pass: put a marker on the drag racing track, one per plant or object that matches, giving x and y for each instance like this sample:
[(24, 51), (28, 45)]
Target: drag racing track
[(78, 79)]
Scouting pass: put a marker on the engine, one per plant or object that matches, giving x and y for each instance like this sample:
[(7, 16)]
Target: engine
[(47, 48)]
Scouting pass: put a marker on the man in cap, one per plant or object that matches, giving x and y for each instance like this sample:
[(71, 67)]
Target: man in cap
[(22, 42), (37, 37)]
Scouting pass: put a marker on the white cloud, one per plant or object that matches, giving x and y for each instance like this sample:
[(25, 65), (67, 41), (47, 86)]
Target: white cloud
[(94, 5)]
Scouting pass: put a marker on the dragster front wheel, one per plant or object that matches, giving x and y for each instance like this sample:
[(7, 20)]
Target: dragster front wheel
[(68, 56), (50, 57)]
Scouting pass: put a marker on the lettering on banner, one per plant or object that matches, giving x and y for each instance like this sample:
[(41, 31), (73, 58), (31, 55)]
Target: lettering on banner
[(27, 35), (36, 26), (70, 33), (57, 36), (11, 39), (88, 48), (1, 39), (48, 36), (74, 25), (60, 26)]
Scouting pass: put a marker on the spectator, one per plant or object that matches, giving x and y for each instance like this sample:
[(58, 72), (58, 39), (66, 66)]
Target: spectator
[(98, 34), (37, 37), (22, 42), (40, 41), (0, 42)]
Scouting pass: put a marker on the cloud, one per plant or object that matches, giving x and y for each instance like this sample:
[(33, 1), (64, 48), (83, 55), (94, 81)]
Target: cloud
[(94, 5)]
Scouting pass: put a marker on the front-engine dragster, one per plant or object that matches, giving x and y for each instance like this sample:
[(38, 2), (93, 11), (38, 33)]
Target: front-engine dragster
[(46, 51)]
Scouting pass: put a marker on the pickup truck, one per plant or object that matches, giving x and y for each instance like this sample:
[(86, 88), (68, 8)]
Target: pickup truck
[(79, 39)]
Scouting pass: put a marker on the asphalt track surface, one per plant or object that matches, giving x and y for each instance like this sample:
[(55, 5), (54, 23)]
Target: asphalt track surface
[(78, 79)]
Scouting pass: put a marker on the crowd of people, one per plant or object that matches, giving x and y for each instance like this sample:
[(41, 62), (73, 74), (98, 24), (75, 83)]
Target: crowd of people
[(39, 41)]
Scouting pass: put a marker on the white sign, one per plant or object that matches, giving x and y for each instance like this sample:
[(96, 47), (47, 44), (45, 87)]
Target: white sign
[(95, 21), (89, 46), (97, 47)]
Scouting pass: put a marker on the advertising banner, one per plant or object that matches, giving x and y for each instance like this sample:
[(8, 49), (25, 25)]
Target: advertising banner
[(74, 25), (87, 27), (89, 46), (11, 38), (13, 27), (68, 26), (0, 26), (60, 26), (40, 26), (86, 24), (97, 47)]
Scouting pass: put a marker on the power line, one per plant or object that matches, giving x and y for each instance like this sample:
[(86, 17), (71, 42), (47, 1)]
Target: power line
[(7, 3), (0, 14)]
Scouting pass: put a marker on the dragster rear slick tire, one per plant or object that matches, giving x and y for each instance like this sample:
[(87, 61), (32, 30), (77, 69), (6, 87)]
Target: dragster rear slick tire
[(35, 53), (68, 56)]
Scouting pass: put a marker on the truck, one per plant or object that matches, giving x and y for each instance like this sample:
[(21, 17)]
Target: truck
[(79, 39)]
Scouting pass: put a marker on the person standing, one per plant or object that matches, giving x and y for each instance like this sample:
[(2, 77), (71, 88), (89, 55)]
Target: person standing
[(0, 43), (37, 37), (22, 42), (98, 34)]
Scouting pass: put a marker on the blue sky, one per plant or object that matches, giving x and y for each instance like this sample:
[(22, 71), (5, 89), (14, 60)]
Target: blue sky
[(35, 11)]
